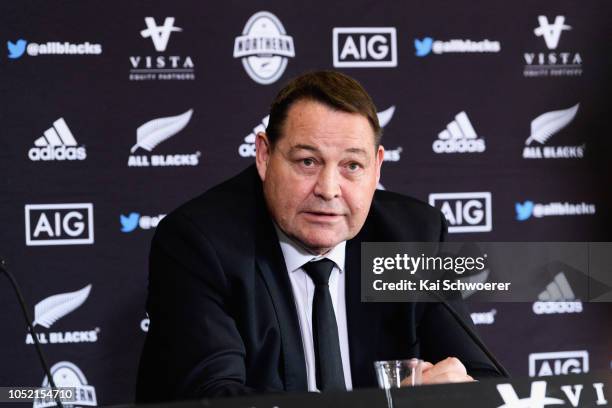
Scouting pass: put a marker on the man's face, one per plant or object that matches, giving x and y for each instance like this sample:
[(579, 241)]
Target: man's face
[(320, 177)]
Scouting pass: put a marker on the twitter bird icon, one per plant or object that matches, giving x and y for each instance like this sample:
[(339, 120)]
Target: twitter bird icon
[(16, 49), (423, 47), (524, 210), (130, 222)]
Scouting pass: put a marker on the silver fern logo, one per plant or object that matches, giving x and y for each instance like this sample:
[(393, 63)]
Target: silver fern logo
[(150, 134), (543, 128), (156, 131), (549, 123), (247, 149), (53, 308)]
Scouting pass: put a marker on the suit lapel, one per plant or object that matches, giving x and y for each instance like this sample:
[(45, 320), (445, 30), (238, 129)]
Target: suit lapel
[(271, 265)]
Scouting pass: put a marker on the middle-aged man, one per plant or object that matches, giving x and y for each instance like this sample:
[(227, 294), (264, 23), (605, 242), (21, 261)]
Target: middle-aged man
[(255, 285)]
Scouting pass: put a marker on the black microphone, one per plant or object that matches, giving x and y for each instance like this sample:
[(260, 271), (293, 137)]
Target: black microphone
[(26, 315), (470, 333)]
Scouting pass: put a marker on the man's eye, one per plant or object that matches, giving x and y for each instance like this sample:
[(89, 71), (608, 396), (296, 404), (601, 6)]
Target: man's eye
[(354, 166), (308, 162)]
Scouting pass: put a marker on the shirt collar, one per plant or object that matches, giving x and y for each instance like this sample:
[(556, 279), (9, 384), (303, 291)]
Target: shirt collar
[(296, 256)]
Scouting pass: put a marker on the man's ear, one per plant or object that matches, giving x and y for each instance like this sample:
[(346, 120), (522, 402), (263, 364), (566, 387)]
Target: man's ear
[(380, 157), (262, 154)]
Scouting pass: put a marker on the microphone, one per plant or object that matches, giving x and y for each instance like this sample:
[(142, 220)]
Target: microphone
[(24, 309), (470, 333)]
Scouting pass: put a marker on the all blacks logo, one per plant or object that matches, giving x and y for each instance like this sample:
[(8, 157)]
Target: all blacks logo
[(264, 48)]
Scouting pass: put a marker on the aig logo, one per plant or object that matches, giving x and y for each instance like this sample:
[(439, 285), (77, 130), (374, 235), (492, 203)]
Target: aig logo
[(558, 363), (465, 212), (59, 224), (365, 47)]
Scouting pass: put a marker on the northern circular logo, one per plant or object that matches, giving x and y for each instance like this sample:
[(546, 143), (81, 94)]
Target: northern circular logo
[(68, 375), (264, 48)]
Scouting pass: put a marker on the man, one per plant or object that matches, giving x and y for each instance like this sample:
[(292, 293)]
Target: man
[(255, 285)]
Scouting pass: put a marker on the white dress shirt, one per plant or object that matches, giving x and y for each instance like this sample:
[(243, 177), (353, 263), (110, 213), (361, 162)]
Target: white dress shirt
[(303, 293)]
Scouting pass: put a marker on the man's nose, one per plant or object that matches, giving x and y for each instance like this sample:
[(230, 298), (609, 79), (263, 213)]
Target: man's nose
[(328, 184)]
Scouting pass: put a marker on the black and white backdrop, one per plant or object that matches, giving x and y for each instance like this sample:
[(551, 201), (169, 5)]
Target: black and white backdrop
[(113, 113)]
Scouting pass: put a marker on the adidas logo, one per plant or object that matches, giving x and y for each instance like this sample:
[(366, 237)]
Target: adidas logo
[(57, 143), (557, 297), (484, 317), (459, 137), (558, 289), (247, 149)]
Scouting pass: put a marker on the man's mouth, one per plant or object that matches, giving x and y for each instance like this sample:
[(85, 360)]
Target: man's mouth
[(323, 215)]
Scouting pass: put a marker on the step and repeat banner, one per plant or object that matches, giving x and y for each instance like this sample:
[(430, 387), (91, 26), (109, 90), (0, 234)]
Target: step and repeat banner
[(113, 113)]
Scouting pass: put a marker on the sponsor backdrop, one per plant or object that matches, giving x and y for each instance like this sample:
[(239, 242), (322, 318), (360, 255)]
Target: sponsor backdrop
[(114, 113)]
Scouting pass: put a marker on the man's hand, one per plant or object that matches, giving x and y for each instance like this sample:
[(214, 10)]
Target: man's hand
[(449, 370)]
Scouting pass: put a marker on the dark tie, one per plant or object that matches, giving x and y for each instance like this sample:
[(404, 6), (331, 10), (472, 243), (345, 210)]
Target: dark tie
[(330, 375)]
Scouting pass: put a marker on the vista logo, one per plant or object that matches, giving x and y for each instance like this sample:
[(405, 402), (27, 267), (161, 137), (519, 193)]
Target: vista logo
[(59, 224), (426, 45), (459, 137), (264, 48), (16, 49), (538, 398), (551, 32), (68, 375), (558, 363), (247, 149), (543, 128), (365, 47), (160, 35), (160, 66), (465, 212), (557, 297), (57, 143), (553, 62), (50, 310), (528, 208), (130, 222), (156, 131)]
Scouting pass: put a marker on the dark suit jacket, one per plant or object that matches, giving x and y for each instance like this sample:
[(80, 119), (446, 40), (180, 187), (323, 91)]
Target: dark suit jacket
[(223, 318)]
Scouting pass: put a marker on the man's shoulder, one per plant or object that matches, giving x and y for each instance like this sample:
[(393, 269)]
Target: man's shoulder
[(223, 208)]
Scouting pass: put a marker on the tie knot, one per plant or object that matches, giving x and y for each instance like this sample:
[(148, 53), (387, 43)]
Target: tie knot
[(319, 271)]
